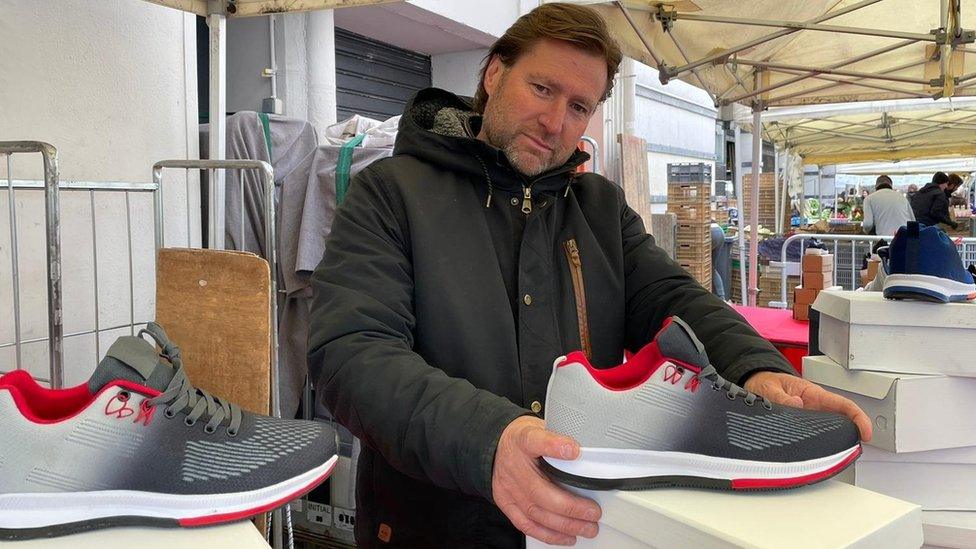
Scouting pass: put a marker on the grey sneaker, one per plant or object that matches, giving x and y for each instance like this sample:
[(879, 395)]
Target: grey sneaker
[(666, 418), (139, 445)]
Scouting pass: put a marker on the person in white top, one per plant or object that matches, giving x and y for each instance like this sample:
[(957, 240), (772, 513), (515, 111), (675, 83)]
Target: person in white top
[(885, 210)]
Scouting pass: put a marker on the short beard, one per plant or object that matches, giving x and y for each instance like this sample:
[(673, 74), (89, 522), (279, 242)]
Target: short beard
[(513, 158)]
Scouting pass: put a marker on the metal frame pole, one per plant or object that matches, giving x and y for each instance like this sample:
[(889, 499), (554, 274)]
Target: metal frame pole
[(673, 72), (778, 223), (52, 221), (743, 275), (754, 213), (217, 21)]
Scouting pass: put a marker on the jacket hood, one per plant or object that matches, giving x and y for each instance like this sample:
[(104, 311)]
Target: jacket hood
[(439, 127), (930, 188)]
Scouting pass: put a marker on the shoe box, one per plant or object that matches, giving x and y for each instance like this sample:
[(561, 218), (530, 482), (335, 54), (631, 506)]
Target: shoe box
[(937, 480), (955, 529), (910, 412), (676, 518), (865, 331)]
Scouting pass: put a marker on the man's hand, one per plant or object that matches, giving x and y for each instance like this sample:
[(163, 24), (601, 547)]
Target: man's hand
[(528, 498), (795, 391)]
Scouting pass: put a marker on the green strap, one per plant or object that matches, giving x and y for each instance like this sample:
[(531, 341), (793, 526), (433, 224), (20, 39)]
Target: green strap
[(266, 124), (343, 166)]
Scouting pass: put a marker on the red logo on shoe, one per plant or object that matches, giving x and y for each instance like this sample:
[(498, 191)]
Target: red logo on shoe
[(693, 384), (673, 374), (119, 406), (146, 413)]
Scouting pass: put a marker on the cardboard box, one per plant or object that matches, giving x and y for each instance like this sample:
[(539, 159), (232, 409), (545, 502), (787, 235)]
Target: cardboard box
[(828, 514), (805, 295), (801, 311), (865, 331), (818, 281), (949, 529), (910, 412), (938, 480), (815, 263)]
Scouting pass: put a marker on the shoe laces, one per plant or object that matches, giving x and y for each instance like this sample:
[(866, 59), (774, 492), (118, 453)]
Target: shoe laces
[(732, 391), (180, 395)]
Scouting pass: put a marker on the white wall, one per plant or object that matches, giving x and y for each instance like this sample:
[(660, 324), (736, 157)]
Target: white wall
[(457, 72), (112, 85), (490, 17)]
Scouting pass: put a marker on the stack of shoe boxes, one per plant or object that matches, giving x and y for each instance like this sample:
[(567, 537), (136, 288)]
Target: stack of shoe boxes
[(818, 269), (910, 366)]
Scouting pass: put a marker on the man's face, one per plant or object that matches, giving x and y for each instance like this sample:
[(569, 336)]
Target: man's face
[(538, 108)]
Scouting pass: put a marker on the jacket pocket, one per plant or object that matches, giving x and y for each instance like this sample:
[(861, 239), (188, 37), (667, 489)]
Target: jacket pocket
[(579, 290)]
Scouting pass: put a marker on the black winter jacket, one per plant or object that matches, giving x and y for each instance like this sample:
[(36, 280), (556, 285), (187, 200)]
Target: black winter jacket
[(413, 342), (931, 206)]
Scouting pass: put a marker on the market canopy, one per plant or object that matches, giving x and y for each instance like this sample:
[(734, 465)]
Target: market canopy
[(803, 52), (251, 8), (875, 131)]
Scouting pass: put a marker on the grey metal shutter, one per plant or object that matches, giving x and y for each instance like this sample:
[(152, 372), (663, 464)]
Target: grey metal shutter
[(375, 79)]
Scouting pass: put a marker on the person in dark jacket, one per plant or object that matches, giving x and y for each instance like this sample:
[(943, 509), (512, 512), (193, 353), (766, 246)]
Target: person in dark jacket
[(930, 204), (460, 268)]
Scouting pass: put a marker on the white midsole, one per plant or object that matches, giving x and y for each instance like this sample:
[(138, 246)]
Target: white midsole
[(48, 509), (943, 286), (612, 463)]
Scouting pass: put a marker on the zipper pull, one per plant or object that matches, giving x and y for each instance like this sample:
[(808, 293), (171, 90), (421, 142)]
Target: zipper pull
[(526, 200), (573, 252)]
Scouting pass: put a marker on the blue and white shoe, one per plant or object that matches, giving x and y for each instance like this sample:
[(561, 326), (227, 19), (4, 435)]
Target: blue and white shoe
[(926, 266)]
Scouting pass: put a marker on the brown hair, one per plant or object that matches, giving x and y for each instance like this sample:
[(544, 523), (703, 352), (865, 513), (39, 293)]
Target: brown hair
[(578, 25)]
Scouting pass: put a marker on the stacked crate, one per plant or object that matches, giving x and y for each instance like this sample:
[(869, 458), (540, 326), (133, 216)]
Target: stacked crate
[(767, 198), (689, 193)]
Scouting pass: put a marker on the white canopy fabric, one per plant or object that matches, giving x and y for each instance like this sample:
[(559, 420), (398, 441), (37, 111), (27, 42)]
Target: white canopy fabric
[(803, 52), (251, 8)]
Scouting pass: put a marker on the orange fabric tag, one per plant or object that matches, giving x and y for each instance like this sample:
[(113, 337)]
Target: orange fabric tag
[(385, 533)]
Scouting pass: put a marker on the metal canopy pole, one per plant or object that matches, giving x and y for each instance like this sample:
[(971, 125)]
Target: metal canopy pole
[(777, 224), (754, 212), (812, 71), (640, 35), (673, 72), (806, 26), (217, 21), (743, 275), (780, 98)]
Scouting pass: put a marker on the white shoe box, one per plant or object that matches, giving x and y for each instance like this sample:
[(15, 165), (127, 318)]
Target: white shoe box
[(955, 529), (828, 514), (937, 480), (910, 412), (865, 331)]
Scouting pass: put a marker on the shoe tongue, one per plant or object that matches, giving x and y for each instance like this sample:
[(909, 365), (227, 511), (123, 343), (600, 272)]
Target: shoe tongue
[(676, 340), (133, 359)]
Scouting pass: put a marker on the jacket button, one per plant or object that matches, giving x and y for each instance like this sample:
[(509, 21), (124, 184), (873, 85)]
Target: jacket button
[(536, 406), (515, 201), (527, 299)]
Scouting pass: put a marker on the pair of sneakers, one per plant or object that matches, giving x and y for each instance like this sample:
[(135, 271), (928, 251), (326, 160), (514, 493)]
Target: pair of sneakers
[(922, 263)]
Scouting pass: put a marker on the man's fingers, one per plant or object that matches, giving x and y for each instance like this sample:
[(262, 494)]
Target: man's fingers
[(539, 442), (533, 529), (545, 494), (775, 393), (818, 398), (562, 523)]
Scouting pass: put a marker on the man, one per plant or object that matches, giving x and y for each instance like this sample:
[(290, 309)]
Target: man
[(885, 210), (930, 204), (955, 181), (447, 292)]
